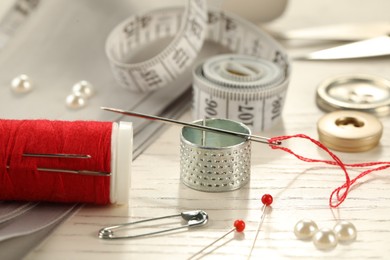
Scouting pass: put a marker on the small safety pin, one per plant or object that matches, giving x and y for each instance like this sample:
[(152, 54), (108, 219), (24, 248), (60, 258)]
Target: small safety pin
[(194, 218)]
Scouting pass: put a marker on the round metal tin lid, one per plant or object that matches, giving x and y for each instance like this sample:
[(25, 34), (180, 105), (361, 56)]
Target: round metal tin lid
[(364, 93)]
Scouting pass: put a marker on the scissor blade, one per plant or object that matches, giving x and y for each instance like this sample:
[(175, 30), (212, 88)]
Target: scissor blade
[(337, 32), (379, 46)]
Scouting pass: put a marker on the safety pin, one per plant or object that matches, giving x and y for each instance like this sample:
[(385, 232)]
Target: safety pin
[(194, 218)]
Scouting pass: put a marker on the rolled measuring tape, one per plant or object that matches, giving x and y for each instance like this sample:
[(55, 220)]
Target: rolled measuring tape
[(189, 29), (242, 88)]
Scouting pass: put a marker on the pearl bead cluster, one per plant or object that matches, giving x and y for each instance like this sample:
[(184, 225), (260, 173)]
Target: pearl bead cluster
[(325, 238), (81, 91), (21, 84)]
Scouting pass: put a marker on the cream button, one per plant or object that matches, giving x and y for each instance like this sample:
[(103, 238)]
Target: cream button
[(349, 131)]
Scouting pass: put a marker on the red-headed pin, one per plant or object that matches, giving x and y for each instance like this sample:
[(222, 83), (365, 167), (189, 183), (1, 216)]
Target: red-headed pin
[(267, 200), (239, 226)]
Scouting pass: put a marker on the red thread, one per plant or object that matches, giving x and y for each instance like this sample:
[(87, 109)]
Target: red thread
[(341, 192), (19, 177)]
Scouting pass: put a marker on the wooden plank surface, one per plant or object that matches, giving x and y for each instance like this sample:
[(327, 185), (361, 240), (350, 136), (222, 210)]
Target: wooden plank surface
[(300, 189)]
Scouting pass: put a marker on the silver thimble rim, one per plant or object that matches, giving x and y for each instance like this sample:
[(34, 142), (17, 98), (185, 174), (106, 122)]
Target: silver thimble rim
[(243, 140)]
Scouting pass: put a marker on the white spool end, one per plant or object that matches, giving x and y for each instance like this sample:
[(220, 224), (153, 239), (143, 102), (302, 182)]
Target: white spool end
[(121, 159)]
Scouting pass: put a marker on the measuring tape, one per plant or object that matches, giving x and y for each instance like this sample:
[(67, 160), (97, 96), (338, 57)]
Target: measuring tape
[(188, 29), (241, 88), (259, 106)]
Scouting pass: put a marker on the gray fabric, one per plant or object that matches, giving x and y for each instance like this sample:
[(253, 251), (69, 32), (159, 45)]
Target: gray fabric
[(10, 210), (34, 219), (23, 233)]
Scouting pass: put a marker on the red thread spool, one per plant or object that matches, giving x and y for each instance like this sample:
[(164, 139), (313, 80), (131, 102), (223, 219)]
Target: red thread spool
[(22, 177)]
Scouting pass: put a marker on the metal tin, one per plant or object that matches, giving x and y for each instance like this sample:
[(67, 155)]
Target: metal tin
[(365, 93), (215, 162), (349, 131)]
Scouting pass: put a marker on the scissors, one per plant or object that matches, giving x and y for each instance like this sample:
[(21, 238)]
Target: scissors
[(367, 40)]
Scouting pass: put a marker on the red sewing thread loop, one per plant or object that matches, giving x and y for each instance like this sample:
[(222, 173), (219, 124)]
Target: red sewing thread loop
[(342, 191), (19, 177)]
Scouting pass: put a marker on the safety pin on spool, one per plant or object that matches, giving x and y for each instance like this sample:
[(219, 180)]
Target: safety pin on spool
[(65, 156), (194, 218), (255, 138)]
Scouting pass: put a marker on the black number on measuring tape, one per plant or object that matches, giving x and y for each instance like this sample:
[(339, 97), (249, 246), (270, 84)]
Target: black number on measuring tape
[(257, 47), (151, 77), (130, 28), (26, 6), (212, 18), (138, 22), (211, 107), (276, 107), (230, 25), (196, 28), (245, 114), (145, 20), (280, 59), (180, 57)]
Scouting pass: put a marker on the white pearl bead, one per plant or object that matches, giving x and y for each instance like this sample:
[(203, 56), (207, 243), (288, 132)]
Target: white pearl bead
[(325, 239), (345, 231), (75, 101), (305, 229), (83, 88), (21, 84)]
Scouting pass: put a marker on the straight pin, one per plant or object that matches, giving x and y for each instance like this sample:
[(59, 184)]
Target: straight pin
[(204, 133), (255, 138), (267, 201), (239, 226)]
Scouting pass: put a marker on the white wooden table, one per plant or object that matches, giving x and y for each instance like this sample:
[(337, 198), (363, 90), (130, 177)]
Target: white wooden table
[(300, 190)]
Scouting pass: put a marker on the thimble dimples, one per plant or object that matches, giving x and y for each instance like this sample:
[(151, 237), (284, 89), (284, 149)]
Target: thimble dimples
[(215, 162)]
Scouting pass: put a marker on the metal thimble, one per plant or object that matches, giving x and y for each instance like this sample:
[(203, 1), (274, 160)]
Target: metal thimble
[(215, 162)]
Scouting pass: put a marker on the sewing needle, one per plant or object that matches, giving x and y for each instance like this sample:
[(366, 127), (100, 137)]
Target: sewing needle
[(58, 155), (255, 138)]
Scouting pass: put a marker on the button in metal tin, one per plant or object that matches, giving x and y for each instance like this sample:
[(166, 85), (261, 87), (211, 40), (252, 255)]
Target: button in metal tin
[(349, 131), (365, 93)]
